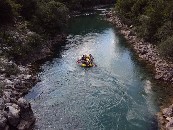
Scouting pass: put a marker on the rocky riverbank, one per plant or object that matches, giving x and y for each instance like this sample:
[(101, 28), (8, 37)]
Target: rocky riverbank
[(15, 111), (147, 52), (22, 46)]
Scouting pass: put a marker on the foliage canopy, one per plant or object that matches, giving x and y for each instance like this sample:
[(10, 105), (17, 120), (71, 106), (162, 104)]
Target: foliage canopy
[(153, 20)]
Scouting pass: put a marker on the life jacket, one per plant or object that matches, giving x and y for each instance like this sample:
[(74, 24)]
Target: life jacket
[(87, 59)]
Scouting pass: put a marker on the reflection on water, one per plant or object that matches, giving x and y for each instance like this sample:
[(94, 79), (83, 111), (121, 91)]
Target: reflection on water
[(115, 95)]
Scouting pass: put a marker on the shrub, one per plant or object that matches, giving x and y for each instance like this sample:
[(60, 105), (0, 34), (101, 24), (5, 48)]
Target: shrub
[(8, 10), (28, 8), (166, 47), (124, 7), (23, 49), (52, 16), (165, 31), (19, 46)]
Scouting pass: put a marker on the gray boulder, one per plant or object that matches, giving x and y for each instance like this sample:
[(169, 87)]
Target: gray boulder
[(26, 115), (13, 114), (2, 105), (169, 125), (3, 121), (23, 103), (168, 112), (24, 125)]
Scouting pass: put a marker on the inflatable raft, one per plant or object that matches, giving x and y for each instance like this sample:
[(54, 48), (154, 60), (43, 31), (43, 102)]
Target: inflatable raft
[(85, 65), (86, 61)]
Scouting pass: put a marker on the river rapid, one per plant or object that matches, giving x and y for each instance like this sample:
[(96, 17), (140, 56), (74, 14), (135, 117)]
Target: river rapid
[(115, 95)]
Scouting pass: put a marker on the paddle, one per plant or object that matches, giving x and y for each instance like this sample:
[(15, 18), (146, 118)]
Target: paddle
[(78, 61), (94, 64)]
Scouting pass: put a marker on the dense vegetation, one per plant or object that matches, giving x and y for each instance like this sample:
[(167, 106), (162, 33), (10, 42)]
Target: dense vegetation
[(49, 14), (153, 20), (45, 15), (26, 24), (81, 4)]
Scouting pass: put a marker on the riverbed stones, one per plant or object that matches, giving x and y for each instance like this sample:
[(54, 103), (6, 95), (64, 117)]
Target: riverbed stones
[(26, 77), (23, 103), (169, 125), (9, 82), (2, 105), (168, 112), (3, 121)]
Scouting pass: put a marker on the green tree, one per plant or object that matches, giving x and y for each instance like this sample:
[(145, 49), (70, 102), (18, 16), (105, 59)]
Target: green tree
[(153, 20), (28, 8), (52, 16), (166, 47), (8, 11)]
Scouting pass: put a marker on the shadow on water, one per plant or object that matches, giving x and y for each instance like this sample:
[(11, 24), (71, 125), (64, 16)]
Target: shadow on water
[(82, 24)]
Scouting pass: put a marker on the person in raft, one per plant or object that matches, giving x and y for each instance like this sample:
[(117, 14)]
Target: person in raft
[(86, 59), (91, 58)]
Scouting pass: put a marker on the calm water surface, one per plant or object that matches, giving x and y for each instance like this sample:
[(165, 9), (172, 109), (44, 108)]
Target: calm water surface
[(115, 95)]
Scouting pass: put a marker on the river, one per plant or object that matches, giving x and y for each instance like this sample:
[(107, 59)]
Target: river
[(115, 95)]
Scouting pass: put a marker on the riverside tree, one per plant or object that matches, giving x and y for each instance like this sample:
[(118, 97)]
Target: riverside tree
[(153, 21)]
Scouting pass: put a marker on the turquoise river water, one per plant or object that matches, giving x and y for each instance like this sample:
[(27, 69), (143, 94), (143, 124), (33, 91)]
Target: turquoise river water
[(115, 95)]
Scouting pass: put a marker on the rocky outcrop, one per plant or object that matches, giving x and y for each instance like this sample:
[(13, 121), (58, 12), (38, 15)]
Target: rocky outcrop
[(15, 112), (20, 44), (17, 115), (23, 46), (147, 52), (165, 118)]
